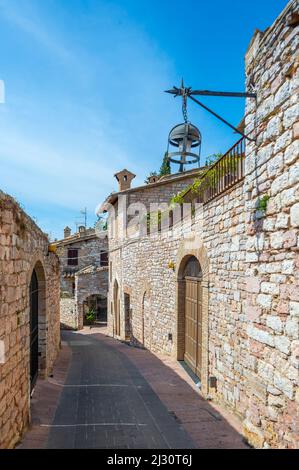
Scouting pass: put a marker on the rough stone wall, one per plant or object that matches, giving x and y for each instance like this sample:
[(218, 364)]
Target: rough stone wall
[(159, 194), (89, 247), (68, 314), (90, 281), (271, 308), (147, 269), (23, 247), (253, 304)]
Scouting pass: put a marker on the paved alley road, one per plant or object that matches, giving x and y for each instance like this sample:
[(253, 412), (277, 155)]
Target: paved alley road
[(106, 403)]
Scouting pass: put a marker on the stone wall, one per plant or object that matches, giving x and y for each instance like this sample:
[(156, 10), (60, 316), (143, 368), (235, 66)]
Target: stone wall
[(90, 281), (23, 248), (271, 306), (249, 257), (68, 314), (89, 247)]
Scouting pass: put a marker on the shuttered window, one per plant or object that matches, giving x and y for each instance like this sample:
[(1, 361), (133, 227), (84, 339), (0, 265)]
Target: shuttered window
[(72, 257), (104, 258)]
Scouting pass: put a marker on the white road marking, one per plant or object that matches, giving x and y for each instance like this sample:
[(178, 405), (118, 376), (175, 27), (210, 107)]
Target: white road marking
[(87, 424), (88, 385)]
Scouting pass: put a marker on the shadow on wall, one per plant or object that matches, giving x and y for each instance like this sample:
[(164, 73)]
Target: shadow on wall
[(63, 326)]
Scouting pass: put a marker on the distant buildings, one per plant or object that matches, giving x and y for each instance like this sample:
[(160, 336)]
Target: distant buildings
[(84, 276)]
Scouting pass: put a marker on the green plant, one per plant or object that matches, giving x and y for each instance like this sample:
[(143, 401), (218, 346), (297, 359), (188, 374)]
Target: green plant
[(227, 165), (213, 158), (90, 316), (262, 203), (165, 167)]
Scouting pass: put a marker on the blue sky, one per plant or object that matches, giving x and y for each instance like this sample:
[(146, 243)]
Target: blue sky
[(84, 83)]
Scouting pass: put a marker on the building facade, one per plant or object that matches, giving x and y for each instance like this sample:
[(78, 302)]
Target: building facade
[(219, 289), (84, 276), (29, 316)]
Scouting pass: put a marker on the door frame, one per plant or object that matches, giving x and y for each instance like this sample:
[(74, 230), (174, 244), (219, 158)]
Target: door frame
[(34, 328), (184, 254)]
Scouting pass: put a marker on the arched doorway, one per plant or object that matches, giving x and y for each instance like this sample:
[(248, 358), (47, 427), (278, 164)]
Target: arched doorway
[(37, 323), (116, 305), (97, 304), (146, 322), (34, 305), (191, 290)]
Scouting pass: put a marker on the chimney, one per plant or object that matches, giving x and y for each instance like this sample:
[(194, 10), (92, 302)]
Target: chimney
[(67, 232), (153, 179), (82, 230), (124, 179)]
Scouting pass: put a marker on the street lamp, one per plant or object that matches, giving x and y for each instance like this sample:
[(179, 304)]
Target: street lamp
[(184, 137)]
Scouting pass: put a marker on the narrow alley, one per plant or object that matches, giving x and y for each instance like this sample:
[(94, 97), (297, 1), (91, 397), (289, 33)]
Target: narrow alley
[(105, 394)]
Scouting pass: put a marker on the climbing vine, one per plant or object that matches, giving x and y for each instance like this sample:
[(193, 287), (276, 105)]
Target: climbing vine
[(211, 178)]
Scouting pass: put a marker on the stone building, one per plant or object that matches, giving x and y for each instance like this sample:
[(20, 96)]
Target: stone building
[(29, 316), (84, 276), (219, 289)]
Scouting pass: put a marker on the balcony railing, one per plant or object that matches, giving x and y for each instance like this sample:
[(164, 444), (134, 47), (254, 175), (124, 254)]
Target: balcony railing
[(222, 175)]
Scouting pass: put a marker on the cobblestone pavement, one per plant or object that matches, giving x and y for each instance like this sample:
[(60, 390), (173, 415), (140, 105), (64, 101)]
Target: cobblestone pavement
[(117, 397)]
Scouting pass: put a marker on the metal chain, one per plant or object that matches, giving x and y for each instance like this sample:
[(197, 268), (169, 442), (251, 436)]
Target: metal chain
[(184, 107)]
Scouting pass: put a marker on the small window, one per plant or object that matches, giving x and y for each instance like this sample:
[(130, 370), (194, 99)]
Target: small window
[(72, 257), (104, 258)]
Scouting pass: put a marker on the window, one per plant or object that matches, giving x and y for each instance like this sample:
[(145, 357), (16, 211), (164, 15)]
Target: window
[(104, 258), (72, 257)]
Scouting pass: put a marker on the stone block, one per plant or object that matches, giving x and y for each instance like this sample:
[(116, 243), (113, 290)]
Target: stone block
[(294, 215), (294, 308), (291, 153), (292, 327), (274, 322), (264, 300), (253, 285), (291, 115), (260, 335), (284, 384), (282, 343)]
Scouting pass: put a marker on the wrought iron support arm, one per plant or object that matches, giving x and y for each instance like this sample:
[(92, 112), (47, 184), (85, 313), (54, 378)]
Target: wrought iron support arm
[(187, 92)]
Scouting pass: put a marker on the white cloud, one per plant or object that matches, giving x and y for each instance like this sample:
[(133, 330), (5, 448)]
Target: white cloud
[(24, 16), (115, 108)]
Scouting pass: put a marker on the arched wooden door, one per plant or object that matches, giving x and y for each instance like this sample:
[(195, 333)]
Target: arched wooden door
[(33, 329), (116, 302), (193, 316)]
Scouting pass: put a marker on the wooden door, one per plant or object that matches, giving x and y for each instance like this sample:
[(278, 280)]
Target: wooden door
[(33, 329), (193, 324)]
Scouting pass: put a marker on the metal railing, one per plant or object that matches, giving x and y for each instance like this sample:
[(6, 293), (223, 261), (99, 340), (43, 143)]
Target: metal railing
[(222, 175)]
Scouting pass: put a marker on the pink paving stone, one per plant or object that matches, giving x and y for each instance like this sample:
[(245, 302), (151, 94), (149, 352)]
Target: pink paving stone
[(215, 426), (45, 401)]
